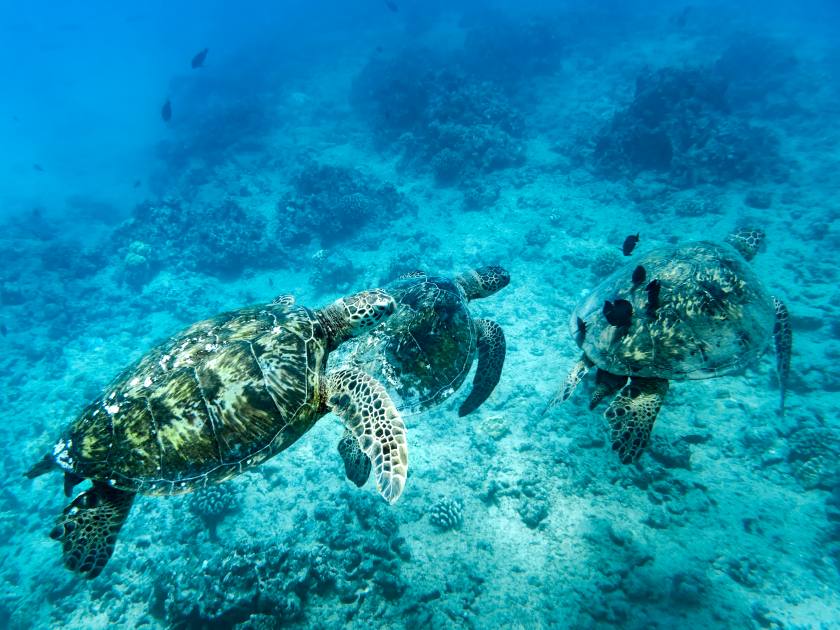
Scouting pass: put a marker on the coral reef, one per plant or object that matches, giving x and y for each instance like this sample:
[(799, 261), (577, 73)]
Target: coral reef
[(679, 124), (333, 203), (455, 126), (222, 239), (447, 513), (351, 552), (813, 456), (511, 49), (213, 504), (332, 271)]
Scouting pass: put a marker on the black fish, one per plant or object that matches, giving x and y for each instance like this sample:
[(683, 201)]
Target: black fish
[(166, 111), (629, 244), (198, 60), (38, 168), (392, 6), (653, 289), (3, 330), (639, 275), (581, 331), (137, 183), (618, 313)]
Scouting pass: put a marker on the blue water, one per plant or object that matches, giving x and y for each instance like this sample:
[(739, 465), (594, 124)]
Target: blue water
[(324, 148)]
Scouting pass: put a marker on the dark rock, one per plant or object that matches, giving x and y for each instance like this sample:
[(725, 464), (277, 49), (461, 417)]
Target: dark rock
[(759, 199)]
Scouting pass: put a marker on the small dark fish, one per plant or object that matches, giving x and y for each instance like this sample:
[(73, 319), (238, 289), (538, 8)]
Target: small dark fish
[(653, 289), (629, 244), (3, 330), (38, 168), (166, 111), (639, 275), (581, 331), (137, 183), (618, 313), (379, 49), (198, 60), (392, 6)]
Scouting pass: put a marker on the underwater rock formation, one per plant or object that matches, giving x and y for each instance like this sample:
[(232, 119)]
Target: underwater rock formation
[(510, 49), (222, 240), (349, 553), (333, 203), (438, 118), (679, 124), (332, 271), (813, 455)]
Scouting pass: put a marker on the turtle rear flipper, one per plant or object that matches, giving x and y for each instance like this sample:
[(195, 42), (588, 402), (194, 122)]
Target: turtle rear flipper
[(575, 376), (42, 467), (89, 526), (606, 384), (371, 417), (631, 415), (783, 337), (491, 357), (356, 463)]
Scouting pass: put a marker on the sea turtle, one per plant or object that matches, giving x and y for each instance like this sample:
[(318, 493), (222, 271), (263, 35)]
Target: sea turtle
[(223, 396), (425, 350), (685, 312)]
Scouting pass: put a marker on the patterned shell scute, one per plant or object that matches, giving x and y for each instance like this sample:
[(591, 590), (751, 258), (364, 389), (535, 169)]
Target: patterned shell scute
[(713, 317), (224, 395), (424, 351)]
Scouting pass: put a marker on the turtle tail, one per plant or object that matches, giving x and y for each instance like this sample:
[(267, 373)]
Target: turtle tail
[(43, 466)]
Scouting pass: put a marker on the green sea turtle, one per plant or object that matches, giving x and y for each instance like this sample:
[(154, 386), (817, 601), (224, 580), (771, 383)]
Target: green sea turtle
[(692, 311), (223, 396), (425, 350)]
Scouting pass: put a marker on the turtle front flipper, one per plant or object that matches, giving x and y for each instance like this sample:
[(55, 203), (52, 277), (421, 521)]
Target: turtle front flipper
[(575, 376), (491, 357), (89, 526), (356, 463), (631, 415), (783, 338), (370, 415)]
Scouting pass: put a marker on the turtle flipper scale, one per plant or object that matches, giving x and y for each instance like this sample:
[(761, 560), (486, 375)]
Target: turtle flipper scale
[(89, 526), (606, 384), (491, 357), (372, 418), (783, 338), (575, 376), (356, 464), (631, 415)]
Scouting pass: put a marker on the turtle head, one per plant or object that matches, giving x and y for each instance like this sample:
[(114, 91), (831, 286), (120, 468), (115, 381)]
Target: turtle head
[(356, 314), (484, 281), (746, 240)]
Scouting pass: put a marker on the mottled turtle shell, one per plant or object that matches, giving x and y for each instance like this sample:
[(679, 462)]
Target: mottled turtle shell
[(424, 351), (714, 316), (222, 396)]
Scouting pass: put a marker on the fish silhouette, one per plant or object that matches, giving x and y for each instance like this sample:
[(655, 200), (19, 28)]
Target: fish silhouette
[(392, 6), (198, 60), (639, 275), (629, 244), (618, 313), (166, 111)]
